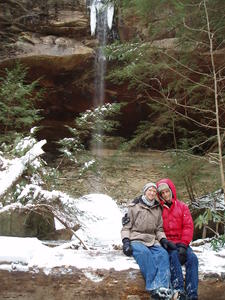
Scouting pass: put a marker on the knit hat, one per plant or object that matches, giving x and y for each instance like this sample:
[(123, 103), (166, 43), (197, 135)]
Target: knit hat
[(164, 186), (148, 185)]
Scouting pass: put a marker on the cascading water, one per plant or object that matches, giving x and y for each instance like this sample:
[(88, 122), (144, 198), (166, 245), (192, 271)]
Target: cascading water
[(101, 18)]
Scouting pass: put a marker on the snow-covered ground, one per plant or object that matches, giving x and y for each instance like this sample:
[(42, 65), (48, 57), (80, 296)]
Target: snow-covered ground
[(101, 224)]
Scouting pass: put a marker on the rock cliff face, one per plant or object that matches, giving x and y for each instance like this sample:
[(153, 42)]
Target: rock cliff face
[(55, 43), (60, 52), (24, 223)]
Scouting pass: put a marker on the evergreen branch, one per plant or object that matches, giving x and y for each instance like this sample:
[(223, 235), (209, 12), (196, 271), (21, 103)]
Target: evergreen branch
[(196, 41), (193, 107), (15, 3), (202, 143), (221, 92), (189, 79), (180, 114), (221, 69), (173, 99), (187, 4), (218, 29), (193, 29), (189, 69), (223, 41)]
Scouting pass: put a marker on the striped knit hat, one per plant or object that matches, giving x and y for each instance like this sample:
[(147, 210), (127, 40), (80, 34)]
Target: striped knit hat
[(148, 185)]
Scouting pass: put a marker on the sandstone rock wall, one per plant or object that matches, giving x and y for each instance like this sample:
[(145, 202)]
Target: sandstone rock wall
[(22, 222)]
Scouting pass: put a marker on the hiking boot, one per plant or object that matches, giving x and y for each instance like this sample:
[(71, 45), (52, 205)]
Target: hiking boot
[(179, 295), (161, 293), (155, 296)]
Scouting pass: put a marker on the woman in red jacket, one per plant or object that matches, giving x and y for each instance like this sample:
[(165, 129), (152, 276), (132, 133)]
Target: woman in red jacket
[(178, 227)]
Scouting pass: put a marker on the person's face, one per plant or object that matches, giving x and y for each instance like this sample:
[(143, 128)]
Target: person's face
[(166, 195), (150, 193)]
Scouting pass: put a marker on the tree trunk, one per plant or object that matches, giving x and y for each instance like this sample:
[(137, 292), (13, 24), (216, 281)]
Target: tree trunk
[(210, 35)]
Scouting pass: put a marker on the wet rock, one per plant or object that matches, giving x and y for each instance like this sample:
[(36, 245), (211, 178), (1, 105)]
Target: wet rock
[(68, 23), (23, 222)]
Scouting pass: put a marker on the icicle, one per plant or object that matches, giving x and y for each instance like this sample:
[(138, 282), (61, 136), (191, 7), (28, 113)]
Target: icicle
[(96, 7), (99, 5), (110, 13), (93, 18)]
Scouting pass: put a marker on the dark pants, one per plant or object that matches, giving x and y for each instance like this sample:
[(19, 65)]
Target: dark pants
[(191, 276)]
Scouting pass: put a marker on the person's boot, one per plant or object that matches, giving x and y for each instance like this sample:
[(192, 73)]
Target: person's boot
[(155, 295), (161, 293), (179, 295)]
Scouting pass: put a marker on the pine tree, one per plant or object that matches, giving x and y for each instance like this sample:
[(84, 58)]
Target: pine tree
[(17, 102)]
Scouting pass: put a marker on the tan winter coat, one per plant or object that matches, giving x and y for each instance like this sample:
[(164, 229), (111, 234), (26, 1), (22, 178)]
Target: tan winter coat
[(145, 224)]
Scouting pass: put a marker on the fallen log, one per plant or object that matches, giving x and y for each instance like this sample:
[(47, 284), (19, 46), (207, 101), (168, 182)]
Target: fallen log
[(9, 176)]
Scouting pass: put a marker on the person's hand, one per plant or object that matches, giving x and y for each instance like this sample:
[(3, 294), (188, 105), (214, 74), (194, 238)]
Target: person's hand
[(127, 249), (167, 244), (182, 253), (125, 219)]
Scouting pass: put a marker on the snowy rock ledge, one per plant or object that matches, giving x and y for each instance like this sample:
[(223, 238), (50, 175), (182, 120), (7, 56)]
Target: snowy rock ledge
[(71, 283), (29, 269)]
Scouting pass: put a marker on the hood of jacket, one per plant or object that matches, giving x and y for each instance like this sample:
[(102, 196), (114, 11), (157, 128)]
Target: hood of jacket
[(171, 186)]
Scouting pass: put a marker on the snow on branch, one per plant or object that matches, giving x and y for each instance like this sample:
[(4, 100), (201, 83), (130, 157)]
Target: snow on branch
[(9, 177)]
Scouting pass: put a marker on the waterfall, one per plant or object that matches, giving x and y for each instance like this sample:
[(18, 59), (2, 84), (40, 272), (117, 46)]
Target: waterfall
[(101, 18)]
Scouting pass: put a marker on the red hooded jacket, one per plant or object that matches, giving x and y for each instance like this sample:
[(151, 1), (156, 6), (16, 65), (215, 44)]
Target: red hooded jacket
[(177, 220)]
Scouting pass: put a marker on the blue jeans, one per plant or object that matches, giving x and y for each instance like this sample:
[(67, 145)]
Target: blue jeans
[(154, 265), (191, 278)]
